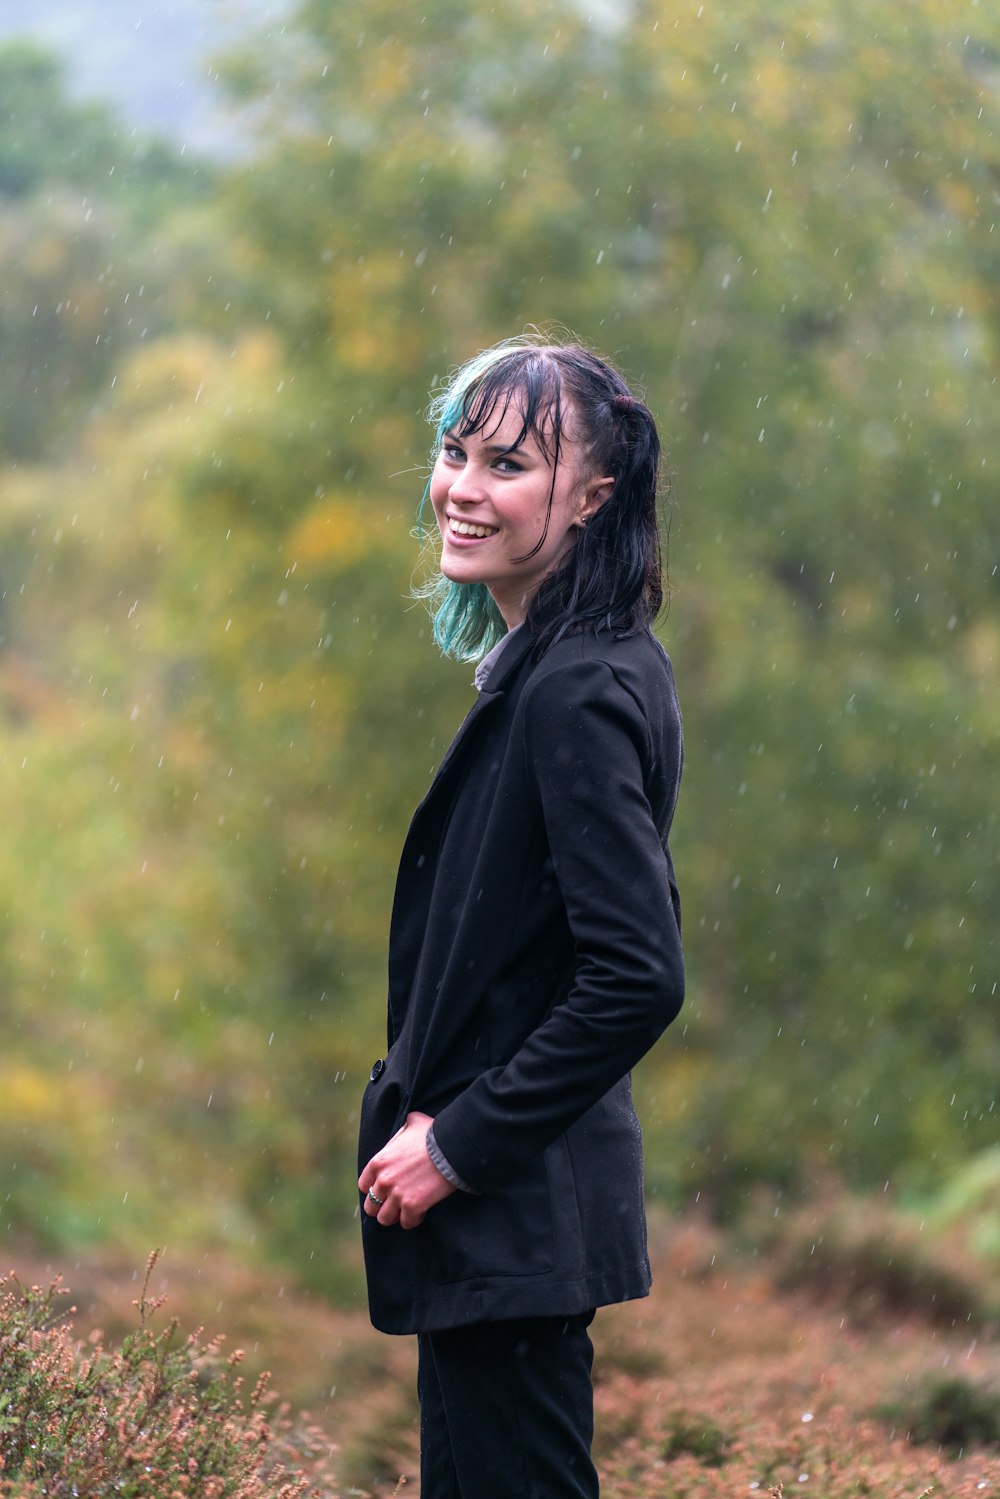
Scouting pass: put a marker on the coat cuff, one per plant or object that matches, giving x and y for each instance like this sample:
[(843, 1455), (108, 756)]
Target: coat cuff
[(440, 1160)]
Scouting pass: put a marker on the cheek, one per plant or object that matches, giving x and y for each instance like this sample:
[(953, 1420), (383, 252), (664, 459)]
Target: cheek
[(438, 490)]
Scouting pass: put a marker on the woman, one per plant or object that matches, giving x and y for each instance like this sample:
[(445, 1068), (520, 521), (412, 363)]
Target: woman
[(534, 951)]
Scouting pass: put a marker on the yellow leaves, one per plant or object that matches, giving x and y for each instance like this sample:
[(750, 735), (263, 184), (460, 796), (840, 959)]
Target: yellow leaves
[(390, 69), (367, 298), (775, 91), (337, 532), (982, 651), (170, 371), (192, 370), (36, 1101), (960, 199), (258, 355), (28, 1095)]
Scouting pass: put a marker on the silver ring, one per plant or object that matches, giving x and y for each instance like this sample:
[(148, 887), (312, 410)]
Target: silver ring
[(378, 1201)]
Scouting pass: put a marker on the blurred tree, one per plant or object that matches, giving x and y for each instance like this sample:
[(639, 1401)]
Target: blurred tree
[(775, 223), (47, 139), (89, 267), (217, 706)]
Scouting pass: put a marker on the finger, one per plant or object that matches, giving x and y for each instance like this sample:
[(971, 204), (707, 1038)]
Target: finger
[(373, 1203)]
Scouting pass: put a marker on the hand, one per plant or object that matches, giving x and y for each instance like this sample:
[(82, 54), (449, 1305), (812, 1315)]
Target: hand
[(404, 1176)]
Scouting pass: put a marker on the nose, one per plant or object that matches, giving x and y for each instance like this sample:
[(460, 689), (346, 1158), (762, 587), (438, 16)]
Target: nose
[(466, 487), (463, 493)]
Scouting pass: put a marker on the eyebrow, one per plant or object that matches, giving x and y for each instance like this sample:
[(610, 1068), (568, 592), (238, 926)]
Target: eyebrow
[(488, 447)]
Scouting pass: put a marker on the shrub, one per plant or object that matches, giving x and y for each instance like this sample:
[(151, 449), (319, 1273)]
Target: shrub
[(955, 1414), (697, 1435), (160, 1418), (870, 1260)]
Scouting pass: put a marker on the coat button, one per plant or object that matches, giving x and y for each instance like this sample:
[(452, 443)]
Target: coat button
[(377, 1070)]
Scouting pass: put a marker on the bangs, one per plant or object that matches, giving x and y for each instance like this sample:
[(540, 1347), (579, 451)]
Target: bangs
[(520, 378)]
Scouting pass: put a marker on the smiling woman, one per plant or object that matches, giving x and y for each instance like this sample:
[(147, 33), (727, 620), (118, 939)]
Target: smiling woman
[(580, 418), (507, 511), (534, 951)]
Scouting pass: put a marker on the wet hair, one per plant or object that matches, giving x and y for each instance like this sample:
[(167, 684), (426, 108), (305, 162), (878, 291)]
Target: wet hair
[(612, 577)]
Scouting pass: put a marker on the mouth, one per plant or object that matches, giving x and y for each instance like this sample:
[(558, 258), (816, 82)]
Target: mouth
[(470, 528)]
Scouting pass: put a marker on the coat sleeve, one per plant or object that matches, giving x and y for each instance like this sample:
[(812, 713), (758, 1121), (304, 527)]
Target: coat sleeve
[(588, 746)]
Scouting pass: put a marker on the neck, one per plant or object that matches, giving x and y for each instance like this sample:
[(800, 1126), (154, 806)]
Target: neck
[(513, 607)]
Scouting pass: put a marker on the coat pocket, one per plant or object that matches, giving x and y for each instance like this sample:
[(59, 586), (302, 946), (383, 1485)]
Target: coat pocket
[(507, 1232)]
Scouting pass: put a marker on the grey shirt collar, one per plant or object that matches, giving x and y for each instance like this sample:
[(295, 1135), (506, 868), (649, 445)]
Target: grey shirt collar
[(486, 666)]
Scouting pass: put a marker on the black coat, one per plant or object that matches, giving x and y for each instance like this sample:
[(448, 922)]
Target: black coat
[(534, 956)]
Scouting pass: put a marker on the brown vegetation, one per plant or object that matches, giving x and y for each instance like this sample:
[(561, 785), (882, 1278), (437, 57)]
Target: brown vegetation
[(723, 1381)]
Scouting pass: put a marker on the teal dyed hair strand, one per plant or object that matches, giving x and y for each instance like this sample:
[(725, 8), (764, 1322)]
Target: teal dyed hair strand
[(466, 621)]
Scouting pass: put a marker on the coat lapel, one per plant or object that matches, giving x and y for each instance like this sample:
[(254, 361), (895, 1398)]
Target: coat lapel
[(415, 880), (491, 694)]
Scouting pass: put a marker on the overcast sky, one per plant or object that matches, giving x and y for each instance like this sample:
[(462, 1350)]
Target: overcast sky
[(151, 58)]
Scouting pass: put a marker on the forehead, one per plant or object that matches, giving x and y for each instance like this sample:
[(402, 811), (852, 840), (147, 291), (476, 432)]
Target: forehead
[(516, 413), (506, 427)]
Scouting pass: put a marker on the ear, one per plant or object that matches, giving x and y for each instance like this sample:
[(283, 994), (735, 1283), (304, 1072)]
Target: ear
[(595, 493)]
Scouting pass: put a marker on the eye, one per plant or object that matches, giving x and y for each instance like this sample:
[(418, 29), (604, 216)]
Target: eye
[(452, 453), (508, 465)]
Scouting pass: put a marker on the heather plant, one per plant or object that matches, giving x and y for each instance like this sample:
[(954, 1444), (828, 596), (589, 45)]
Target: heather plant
[(728, 1379), (161, 1417), (765, 1389)]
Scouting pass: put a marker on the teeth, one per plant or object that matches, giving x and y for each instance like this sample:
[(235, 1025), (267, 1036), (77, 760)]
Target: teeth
[(463, 528)]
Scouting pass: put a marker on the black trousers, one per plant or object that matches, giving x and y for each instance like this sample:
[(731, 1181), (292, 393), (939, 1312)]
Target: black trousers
[(507, 1410)]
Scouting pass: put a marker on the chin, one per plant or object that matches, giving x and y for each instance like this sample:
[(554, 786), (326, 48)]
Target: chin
[(460, 569), (459, 574)]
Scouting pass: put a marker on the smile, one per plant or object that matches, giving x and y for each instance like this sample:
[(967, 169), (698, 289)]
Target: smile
[(467, 528)]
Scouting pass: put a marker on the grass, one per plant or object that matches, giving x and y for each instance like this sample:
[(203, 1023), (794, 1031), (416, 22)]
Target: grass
[(736, 1376)]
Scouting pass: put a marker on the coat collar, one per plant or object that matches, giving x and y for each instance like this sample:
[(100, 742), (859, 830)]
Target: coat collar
[(509, 659), (492, 693)]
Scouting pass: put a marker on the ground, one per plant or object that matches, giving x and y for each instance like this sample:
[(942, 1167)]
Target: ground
[(726, 1380)]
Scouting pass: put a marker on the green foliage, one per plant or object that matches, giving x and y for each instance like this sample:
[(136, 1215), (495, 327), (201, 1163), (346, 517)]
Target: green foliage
[(953, 1413), (157, 1416), (697, 1435), (88, 270), (968, 1203), (875, 1263), (218, 706), (46, 139), (43, 137)]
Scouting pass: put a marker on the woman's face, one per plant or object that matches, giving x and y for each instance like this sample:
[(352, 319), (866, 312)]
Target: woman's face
[(491, 500)]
